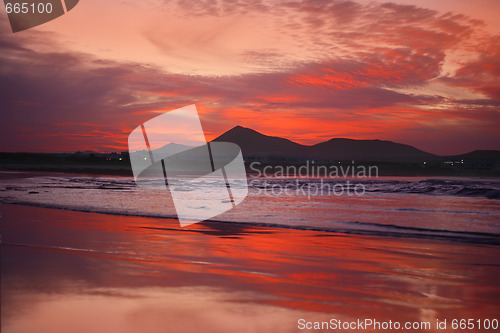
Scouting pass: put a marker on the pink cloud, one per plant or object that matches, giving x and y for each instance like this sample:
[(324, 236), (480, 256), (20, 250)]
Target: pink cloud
[(352, 78)]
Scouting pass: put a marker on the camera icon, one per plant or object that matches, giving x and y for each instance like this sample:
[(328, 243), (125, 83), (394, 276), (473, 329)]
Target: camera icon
[(170, 152)]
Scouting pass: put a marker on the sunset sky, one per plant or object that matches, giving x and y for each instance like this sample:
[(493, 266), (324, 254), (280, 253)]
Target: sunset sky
[(425, 74)]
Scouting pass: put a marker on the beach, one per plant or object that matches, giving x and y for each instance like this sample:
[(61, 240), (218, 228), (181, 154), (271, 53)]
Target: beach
[(69, 271), (250, 166)]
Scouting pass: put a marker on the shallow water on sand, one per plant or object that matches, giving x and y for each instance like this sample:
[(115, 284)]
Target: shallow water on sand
[(66, 271), (463, 209)]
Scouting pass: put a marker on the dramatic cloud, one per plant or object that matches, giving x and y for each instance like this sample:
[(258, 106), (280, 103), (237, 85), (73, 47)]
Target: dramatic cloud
[(306, 70)]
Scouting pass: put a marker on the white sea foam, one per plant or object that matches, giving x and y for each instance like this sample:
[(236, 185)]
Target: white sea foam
[(392, 206)]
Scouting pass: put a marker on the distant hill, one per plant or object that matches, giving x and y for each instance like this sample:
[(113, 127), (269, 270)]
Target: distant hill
[(369, 150), (253, 143), (393, 159), (477, 154)]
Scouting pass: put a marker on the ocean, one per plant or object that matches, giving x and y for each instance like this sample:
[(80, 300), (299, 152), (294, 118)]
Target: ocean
[(82, 253), (463, 209)]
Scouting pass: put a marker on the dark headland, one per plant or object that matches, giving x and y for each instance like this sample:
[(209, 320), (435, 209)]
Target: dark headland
[(390, 157)]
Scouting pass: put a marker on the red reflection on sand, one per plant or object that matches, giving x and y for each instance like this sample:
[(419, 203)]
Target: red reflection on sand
[(132, 264)]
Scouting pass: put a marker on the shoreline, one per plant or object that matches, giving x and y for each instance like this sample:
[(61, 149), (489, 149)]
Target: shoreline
[(123, 169), (476, 238), (238, 271)]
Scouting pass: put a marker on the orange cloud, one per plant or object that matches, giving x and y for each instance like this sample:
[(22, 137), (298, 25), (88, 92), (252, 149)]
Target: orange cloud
[(302, 70)]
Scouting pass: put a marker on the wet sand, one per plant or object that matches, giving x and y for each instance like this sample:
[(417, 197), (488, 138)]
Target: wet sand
[(66, 271)]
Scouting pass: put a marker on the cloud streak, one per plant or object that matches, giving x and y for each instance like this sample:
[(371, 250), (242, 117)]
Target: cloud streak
[(306, 70)]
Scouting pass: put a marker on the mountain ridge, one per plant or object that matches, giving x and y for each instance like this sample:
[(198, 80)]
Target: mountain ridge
[(256, 144)]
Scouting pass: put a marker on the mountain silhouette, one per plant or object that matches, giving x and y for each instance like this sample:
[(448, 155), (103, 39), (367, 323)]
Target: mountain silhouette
[(478, 154), (369, 150), (255, 144)]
